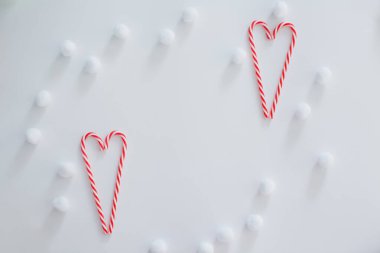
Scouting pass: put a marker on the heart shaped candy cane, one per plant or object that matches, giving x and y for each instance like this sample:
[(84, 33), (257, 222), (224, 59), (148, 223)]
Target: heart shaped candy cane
[(270, 36), (103, 146)]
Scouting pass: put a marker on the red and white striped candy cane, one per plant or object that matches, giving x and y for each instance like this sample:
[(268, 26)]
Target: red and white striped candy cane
[(103, 146), (270, 36)]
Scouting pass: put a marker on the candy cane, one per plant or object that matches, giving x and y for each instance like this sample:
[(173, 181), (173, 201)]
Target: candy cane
[(270, 36), (103, 146)]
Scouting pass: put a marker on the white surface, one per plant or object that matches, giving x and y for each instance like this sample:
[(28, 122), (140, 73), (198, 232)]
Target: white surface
[(198, 145)]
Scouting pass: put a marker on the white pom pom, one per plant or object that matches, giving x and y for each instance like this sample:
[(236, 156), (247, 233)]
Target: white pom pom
[(325, 160), (92, 65), (158, 246), (43, 99), (303, 111), (225, 235), (254, 222), (167, 37), (239, 56), (280, 10), (324, 76), (61, 204), (267, 187), (68, 48), (205, 247), (33, 136), (189, 15), (121, 31), (66, 170)]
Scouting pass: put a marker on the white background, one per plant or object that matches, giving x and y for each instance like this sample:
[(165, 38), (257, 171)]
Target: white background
[(198, 143)]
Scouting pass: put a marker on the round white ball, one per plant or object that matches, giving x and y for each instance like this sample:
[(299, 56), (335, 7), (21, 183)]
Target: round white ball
[(61, 204), (205, 247), (324, 76), (267, 187), (254, 222), (280, 10), (303, 111), (121, 31), (92, 65), (239, 56), (66, 170), (43, 98), (68, 48), (189, 15), (325, 160), (167, 37), (158, 246), (225, 235), (33, 136)]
